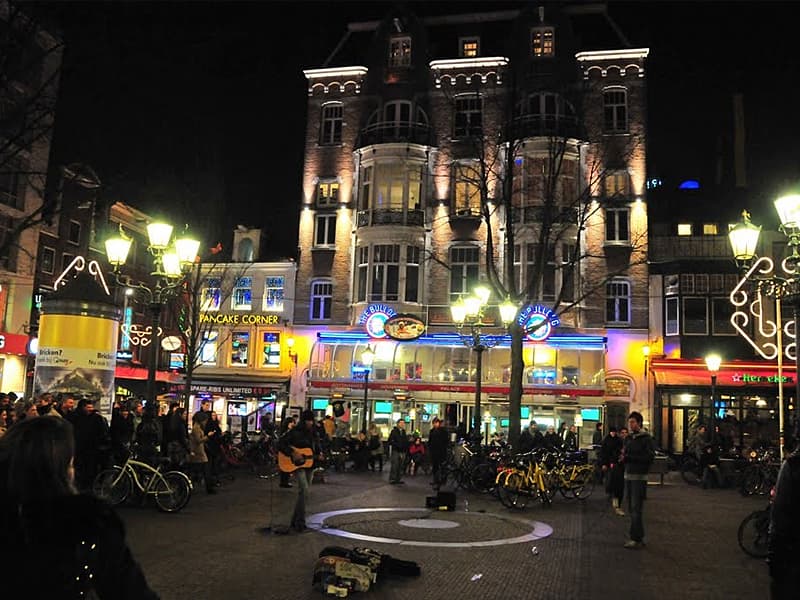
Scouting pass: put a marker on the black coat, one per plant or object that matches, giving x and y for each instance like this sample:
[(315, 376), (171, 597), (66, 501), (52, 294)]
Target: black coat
[(398, 439), (610, 450), (438, 441), (49, 554)]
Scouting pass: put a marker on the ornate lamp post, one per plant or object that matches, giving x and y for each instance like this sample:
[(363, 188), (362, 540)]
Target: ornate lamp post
[(468, 314), (367, 356), (713, 361), (172, 258), (759, 273)]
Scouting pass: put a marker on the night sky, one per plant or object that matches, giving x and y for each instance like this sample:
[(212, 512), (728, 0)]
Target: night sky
[(196, 110)]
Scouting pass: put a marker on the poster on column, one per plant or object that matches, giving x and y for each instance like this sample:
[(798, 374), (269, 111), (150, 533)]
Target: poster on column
[(77, 355)]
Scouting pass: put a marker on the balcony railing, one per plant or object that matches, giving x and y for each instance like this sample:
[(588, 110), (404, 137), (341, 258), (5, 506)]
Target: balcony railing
[(388, 132), (413, 218), (535, 214), (527, 126), (689, 246)]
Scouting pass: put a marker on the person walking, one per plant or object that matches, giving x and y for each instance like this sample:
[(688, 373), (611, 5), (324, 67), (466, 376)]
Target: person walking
[(438, 443), (62, 544), (398, 446), (197, 451), (298, 443), (784, 532), (639, 452)]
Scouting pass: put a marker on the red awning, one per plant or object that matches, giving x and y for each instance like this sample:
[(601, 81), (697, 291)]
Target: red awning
[(734, 373), (140, 373)]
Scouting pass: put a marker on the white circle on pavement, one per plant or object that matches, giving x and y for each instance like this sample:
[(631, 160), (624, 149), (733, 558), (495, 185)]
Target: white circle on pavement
[(429, 523), (538, 530)]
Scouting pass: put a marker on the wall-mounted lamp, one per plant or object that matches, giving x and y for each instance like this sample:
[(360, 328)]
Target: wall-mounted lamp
[(292, 352), (646, 354)]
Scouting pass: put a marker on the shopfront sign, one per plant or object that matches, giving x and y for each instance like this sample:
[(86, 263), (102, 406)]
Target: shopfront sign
[(235, 390), (538, 321), (750, 378), (374, 317), (404, 328), (237, 319), (13, 343)]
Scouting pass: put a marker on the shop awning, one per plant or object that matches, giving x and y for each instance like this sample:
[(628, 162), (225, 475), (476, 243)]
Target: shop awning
[(734, 373), (140, 373)]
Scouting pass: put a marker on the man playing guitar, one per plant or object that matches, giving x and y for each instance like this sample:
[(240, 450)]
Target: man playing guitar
[(297, 449)]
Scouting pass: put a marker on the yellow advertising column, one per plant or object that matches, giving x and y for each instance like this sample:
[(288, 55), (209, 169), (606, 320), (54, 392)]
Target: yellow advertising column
[(78, 342)]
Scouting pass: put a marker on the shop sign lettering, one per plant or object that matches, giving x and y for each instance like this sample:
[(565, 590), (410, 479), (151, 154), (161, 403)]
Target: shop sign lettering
[(748, 378), (237, 319), (374, 318), (538, 321)]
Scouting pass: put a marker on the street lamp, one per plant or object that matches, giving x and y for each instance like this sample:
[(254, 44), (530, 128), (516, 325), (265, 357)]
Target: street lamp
[(468, 314), (367, 356), (172, 258), (757, 270), (646, 355), (713, 362)]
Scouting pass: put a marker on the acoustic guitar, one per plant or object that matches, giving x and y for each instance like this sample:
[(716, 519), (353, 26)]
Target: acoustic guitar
[(287, 464)]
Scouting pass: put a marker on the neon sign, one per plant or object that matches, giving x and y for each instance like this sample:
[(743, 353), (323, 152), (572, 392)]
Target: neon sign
[(374, 318), (538, 321)]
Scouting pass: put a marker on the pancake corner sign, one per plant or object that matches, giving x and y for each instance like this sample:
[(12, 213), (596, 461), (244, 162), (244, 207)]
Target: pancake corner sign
[(538, 322), (374, 318)]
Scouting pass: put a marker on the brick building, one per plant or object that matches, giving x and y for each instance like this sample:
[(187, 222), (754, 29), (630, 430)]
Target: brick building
[(433, 141)]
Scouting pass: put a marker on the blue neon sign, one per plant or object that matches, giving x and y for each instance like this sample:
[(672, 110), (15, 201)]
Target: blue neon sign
[(538, 321)]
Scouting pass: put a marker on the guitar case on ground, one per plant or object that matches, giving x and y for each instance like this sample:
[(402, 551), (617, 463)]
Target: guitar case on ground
[(339, 570)]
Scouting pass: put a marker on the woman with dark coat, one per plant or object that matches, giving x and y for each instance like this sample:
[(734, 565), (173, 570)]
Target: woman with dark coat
[(42, 515)]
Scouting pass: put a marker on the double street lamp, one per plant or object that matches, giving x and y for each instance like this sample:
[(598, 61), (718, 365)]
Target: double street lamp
[(172, 258), (367, 356), (713, 362), (468, 314), (782, 288)]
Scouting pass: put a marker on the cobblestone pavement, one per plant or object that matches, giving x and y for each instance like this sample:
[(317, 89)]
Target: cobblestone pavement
[(211, 549)]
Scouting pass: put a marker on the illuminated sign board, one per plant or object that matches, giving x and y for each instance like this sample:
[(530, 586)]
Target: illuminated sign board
[(374, 318), (237, 319), (404, 328), (538, 321), (748, 378)]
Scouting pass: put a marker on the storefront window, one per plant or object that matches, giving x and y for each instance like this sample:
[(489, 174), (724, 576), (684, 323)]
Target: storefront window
[(406, 364), (271, 356), (240, 343)]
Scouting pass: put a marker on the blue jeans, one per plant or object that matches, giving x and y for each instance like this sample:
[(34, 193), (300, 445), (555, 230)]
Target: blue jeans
[(635, 490), (292, 511)]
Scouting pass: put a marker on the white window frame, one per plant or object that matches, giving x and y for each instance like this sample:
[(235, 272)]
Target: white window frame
[(464, 267), (208, 295), (327, 193), (616, 214), (471, 106), (331, 114), (391, 259), (274, 290), (246, 363), (239, 284), (672, 303), (466, 191), (541, 47), (615, 109), (464, 42), (209, 348), (51, 251), (325, 224), (325, 296), (400, 51), (614, 286)]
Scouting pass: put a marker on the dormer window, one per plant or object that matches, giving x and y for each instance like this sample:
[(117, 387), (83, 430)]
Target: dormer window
[(543, 42), (469, 47), (400, 52)]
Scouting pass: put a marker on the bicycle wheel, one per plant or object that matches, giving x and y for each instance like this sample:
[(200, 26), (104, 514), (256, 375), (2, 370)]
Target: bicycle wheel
[(172, 491), (113, 485), (753, 534), (482, 477), (513, 490), (584, 485)]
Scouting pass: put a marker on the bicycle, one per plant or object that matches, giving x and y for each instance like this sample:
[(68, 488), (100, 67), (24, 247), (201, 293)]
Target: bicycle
[(760, 476), (524, 480), (753, 533), (171, 490), (574, 480)]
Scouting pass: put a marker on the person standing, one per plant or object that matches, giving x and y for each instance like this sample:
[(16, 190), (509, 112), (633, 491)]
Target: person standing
[(571, 439), (375, 447), (438, 443), (286, 425), (784, 532), (639, 452), (197, 451), (299, 442), (92, 442), (121, 434), (597, 436), (214, 447), (613, 467), (398, 446)]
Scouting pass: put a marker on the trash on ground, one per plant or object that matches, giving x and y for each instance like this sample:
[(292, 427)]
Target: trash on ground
[(477, 576)]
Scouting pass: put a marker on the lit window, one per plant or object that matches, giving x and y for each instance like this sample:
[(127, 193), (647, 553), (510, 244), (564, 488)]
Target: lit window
[(468, 116), (211, 295), (617, 225), (684, 229), (321, 300), (709, 229), (469, 47), (208, 348), (242, 294), (542, 41), (615, 110), (273, 294), (325, 226), (327, 194), (466, 189), (618, 301), (271, 354), (400, 52), (331, 124), (240, 344), (615, 183)]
